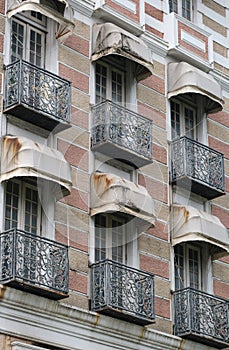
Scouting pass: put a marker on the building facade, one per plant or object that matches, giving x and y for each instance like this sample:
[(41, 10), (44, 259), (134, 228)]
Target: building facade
[(114, 174)]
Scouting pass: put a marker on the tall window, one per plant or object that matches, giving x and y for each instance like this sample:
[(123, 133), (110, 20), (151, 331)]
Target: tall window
[(183, 120), (182, 7), (28, 39), (110, 238), (187, 262), (109, 83), (22, 207)]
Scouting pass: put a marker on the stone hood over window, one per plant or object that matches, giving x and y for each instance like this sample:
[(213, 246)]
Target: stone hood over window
[(109, 39), (192, 225), (22, 157), (58, 10), (183, 78), (111, 193)]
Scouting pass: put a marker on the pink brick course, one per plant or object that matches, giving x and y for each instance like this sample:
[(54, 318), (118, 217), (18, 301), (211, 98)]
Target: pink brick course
[(219, 146), (75, 155), (162, 307), (124, 11), (160, 230), (154, 266), (156, 83), (195, 34), (156, 189), (77, 282), (78, 44), (153, 12), (220, 117), (158, 118), (76, 239), (78, 80), (221, 289), (77, 199)]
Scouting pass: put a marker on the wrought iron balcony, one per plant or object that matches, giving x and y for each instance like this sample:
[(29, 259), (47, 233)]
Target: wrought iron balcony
[(123, 292), (33, 263), (122, 134), (202, 317), (37, 96), (197, 168)]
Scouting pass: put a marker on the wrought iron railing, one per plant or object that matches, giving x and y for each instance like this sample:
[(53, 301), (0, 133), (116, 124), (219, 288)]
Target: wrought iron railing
[(122, 291), (37, 88), (28, 260), (119, 125), (201, 315), (197, 161)]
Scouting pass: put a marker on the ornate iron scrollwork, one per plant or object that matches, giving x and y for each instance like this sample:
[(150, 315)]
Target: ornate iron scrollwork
[(33, 260), (122, 288), (117, 124), (201, 314), (199, 162), (38, 89)]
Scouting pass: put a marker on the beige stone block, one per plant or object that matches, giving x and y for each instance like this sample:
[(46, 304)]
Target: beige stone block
[(2, 24), (222, 69), (221, 10), (77, 300), (220, 271), (162, 325), (74, 60), (160, 136), (81, 29), (226, 167), (159, 69), (162, 211), (76, 136), (217, 27), (226, 100), (220, 49), (222, 201), (154, 246), (81, 180), (71, 216), (162, 288), (218, 130), (156, 170), (80, 100), (151, 98), (78, 261)]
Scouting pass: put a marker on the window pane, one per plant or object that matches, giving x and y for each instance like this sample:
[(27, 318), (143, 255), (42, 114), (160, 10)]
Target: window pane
[(100, 237), (31, 210), (175, 120), (101, 82), (35, 48), (189, 123), (179, 267), (118, 239), (173, 6), (11, 205), (186, 9), (117, 88), (194, 268), (17, 41)]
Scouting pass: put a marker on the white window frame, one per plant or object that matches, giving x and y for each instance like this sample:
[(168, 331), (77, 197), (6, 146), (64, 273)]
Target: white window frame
[(179, 4), (110, 235), (50, 29), (29, 25), (109, 70), (186, 272), (21, 205), (183, 132), (129, 240)]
